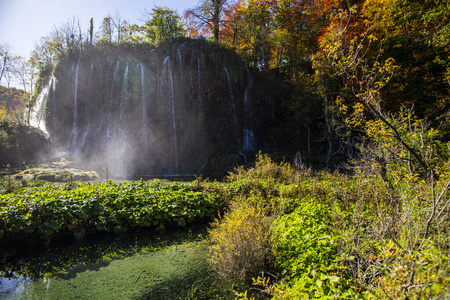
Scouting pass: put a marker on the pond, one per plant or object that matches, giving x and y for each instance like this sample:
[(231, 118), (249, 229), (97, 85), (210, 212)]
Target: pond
[(140, 265)]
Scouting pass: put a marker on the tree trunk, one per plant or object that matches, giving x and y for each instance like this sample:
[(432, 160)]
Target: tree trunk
[(217, 6)]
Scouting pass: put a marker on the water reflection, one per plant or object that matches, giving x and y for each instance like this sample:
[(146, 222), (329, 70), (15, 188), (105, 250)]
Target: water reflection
[(145, 265)]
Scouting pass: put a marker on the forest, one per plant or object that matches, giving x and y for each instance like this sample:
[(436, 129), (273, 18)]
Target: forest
[(348, 200)]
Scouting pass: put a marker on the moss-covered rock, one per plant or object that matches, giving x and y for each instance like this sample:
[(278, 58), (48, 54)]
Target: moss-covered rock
[(56, 174)]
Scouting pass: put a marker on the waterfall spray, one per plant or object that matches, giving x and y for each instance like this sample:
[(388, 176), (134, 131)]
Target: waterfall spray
[(124, 95), (81, 143), (117, 110)]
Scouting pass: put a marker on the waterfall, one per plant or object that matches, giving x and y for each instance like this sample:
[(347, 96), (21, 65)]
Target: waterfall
[(87, 107), (119, 144), (116, 70), (181, 74), (110, 120), (233, 106), (144, 108), (80, 145), (181, 61), (83, 138), (199, 77), (249, 139), (163, 112), (167, 61), (75, 107), (124, 95), (54, 82), (113, 149), (37, 113), (107, 136)]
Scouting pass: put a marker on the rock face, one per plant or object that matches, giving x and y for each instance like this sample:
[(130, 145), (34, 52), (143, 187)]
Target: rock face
[(140, 110), (20, 145)]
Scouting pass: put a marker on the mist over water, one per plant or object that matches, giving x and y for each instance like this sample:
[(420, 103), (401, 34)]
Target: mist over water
[(149, 111)]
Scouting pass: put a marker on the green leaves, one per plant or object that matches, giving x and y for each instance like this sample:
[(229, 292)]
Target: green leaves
[(307, 252), (87, 207)]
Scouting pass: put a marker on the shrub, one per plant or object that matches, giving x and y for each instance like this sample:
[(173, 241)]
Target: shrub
[(265, 169), (306, 253), (240, 243)]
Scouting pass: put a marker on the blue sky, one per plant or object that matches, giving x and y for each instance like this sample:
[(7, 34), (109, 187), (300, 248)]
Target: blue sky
[(24, 22)]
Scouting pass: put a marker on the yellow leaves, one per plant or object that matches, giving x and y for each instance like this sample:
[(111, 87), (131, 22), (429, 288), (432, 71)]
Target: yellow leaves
[(429, 281), (342, 107), (412, 177), (375, 129), (354, 117), (3, 113)]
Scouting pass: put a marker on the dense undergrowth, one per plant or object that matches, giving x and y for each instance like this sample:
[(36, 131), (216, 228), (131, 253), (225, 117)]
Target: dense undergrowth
[(301, 235)]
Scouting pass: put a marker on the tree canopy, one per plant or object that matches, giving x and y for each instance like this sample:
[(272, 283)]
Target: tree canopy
[(163, 25)]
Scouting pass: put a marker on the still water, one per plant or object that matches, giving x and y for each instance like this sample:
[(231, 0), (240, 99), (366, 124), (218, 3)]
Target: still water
[(169, 265)]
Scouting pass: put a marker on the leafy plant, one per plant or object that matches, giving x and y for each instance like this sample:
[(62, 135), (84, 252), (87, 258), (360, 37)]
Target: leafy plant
[(50, 210), (306, 252)]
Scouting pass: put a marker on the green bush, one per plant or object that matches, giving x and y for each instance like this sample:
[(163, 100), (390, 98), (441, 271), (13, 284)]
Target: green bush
[(268, 185), (306, 254)]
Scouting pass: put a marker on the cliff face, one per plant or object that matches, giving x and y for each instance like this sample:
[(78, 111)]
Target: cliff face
[(150, 111), (20, 145)]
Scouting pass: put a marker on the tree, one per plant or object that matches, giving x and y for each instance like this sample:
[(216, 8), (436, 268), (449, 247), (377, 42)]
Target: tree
[(299, 24), (135, 34), (45, 53), (26, 73), (260, 26), (62, 40), (70, 34), (276, 33), (249, 27), (106, 30), (121, 27), (207, 18), (91, 30), (416, 34), (115, 28), (234, 24), (163, 25), (5, 59), (348, 54)]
